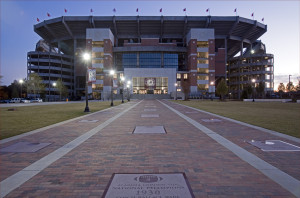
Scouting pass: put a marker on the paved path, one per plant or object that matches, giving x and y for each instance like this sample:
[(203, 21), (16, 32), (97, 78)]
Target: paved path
[(214, 156)]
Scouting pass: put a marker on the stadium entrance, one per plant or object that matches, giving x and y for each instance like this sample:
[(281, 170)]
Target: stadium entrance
[(150, 85)]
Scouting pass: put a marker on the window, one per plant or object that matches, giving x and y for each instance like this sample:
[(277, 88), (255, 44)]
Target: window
[(202, 54), (99, 77), (171, 60), (202, 77), (98, 44), (202, 71), (129, 60), (97, 61), (185, 76), (97, 55), (99, 70), (150, 60), (178, 76), (202, 44), (202, 87), (202, 61)]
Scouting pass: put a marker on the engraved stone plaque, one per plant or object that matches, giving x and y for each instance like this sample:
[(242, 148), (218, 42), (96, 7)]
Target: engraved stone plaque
[(172, 185), (149, 116), (24, 147), (149, 129), (274, 145)]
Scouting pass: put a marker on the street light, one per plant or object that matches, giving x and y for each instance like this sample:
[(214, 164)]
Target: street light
[(128, 94), (252, 51), (122, 80), (54, 85), (253, 81), (21, 82), (112, 72), (86, 58), (176, 90)]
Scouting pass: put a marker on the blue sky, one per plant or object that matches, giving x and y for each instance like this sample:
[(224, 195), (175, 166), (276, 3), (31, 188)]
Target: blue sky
[(18, 18)]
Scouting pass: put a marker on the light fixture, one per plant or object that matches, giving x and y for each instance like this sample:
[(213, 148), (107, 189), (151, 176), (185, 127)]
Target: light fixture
[(86, 56)]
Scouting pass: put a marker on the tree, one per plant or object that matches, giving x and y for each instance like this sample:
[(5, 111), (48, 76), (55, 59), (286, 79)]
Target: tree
[(185, 88), (62, 89), (290, 87), (35, 84), (260, 89), (298, 86), (222, 89), (281, 89)]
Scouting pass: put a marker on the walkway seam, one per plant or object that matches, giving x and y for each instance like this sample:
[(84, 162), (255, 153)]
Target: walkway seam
[(16, 180), (248, 125), (283, 179), (50, 126)]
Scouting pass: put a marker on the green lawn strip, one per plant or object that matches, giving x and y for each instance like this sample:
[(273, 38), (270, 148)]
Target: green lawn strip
[(25, 119), (280, 117)]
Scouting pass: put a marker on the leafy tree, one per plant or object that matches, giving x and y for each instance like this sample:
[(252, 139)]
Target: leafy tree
[(35, 84), (62, 89), (290, 87), (260, 89), (281, 89), (298, 86), (185, 88), (222, 89)]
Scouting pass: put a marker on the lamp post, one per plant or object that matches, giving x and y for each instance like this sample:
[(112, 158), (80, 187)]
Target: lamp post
[(112, 72), (176, 90), (122, 80), (86, 58), (128, 94), (21, 82), (253, 81), (54, 85)]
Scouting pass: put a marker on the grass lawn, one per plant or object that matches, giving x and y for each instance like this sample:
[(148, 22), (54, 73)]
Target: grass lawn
[(24, 119), (280, 117)]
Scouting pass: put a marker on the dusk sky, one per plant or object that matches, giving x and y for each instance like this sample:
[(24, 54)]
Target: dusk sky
[(18, 18)]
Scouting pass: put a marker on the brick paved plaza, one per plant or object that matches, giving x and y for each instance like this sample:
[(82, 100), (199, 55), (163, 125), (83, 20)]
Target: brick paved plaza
[(213, 153)]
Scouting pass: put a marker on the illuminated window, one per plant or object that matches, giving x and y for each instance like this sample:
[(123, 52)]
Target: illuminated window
[(202, 71), (185, 76), (97, 55), (202, 87), (99, 70), (99, 77), (97, 61), (202, 77), (202, 44), (121, 75), (202, 54), (202, 61), (178, 76), (98, 44)]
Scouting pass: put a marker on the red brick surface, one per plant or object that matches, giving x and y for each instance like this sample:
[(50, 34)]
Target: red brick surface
[(211, 169)]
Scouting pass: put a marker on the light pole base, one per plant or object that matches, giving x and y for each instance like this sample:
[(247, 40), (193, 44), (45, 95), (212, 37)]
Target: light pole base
[(111, 104), (87, 109)]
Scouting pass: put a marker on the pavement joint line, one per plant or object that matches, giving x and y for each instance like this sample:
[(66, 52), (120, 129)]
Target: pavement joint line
[(248, 125), (283, 179), (51, 126), (16, 180)]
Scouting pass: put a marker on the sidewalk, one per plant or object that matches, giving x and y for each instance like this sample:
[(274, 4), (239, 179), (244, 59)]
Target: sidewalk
[(83, 156)]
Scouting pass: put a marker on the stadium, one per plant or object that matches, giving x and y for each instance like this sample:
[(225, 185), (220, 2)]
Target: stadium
[(159, 55)]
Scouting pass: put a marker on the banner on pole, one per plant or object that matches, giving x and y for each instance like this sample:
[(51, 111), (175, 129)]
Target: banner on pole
[(92, 75)]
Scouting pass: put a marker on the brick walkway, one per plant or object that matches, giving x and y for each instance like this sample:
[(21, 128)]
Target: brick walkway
[(211, 169)]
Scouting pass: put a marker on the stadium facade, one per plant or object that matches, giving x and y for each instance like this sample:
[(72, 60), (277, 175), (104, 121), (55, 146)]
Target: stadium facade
[(153, 52)]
